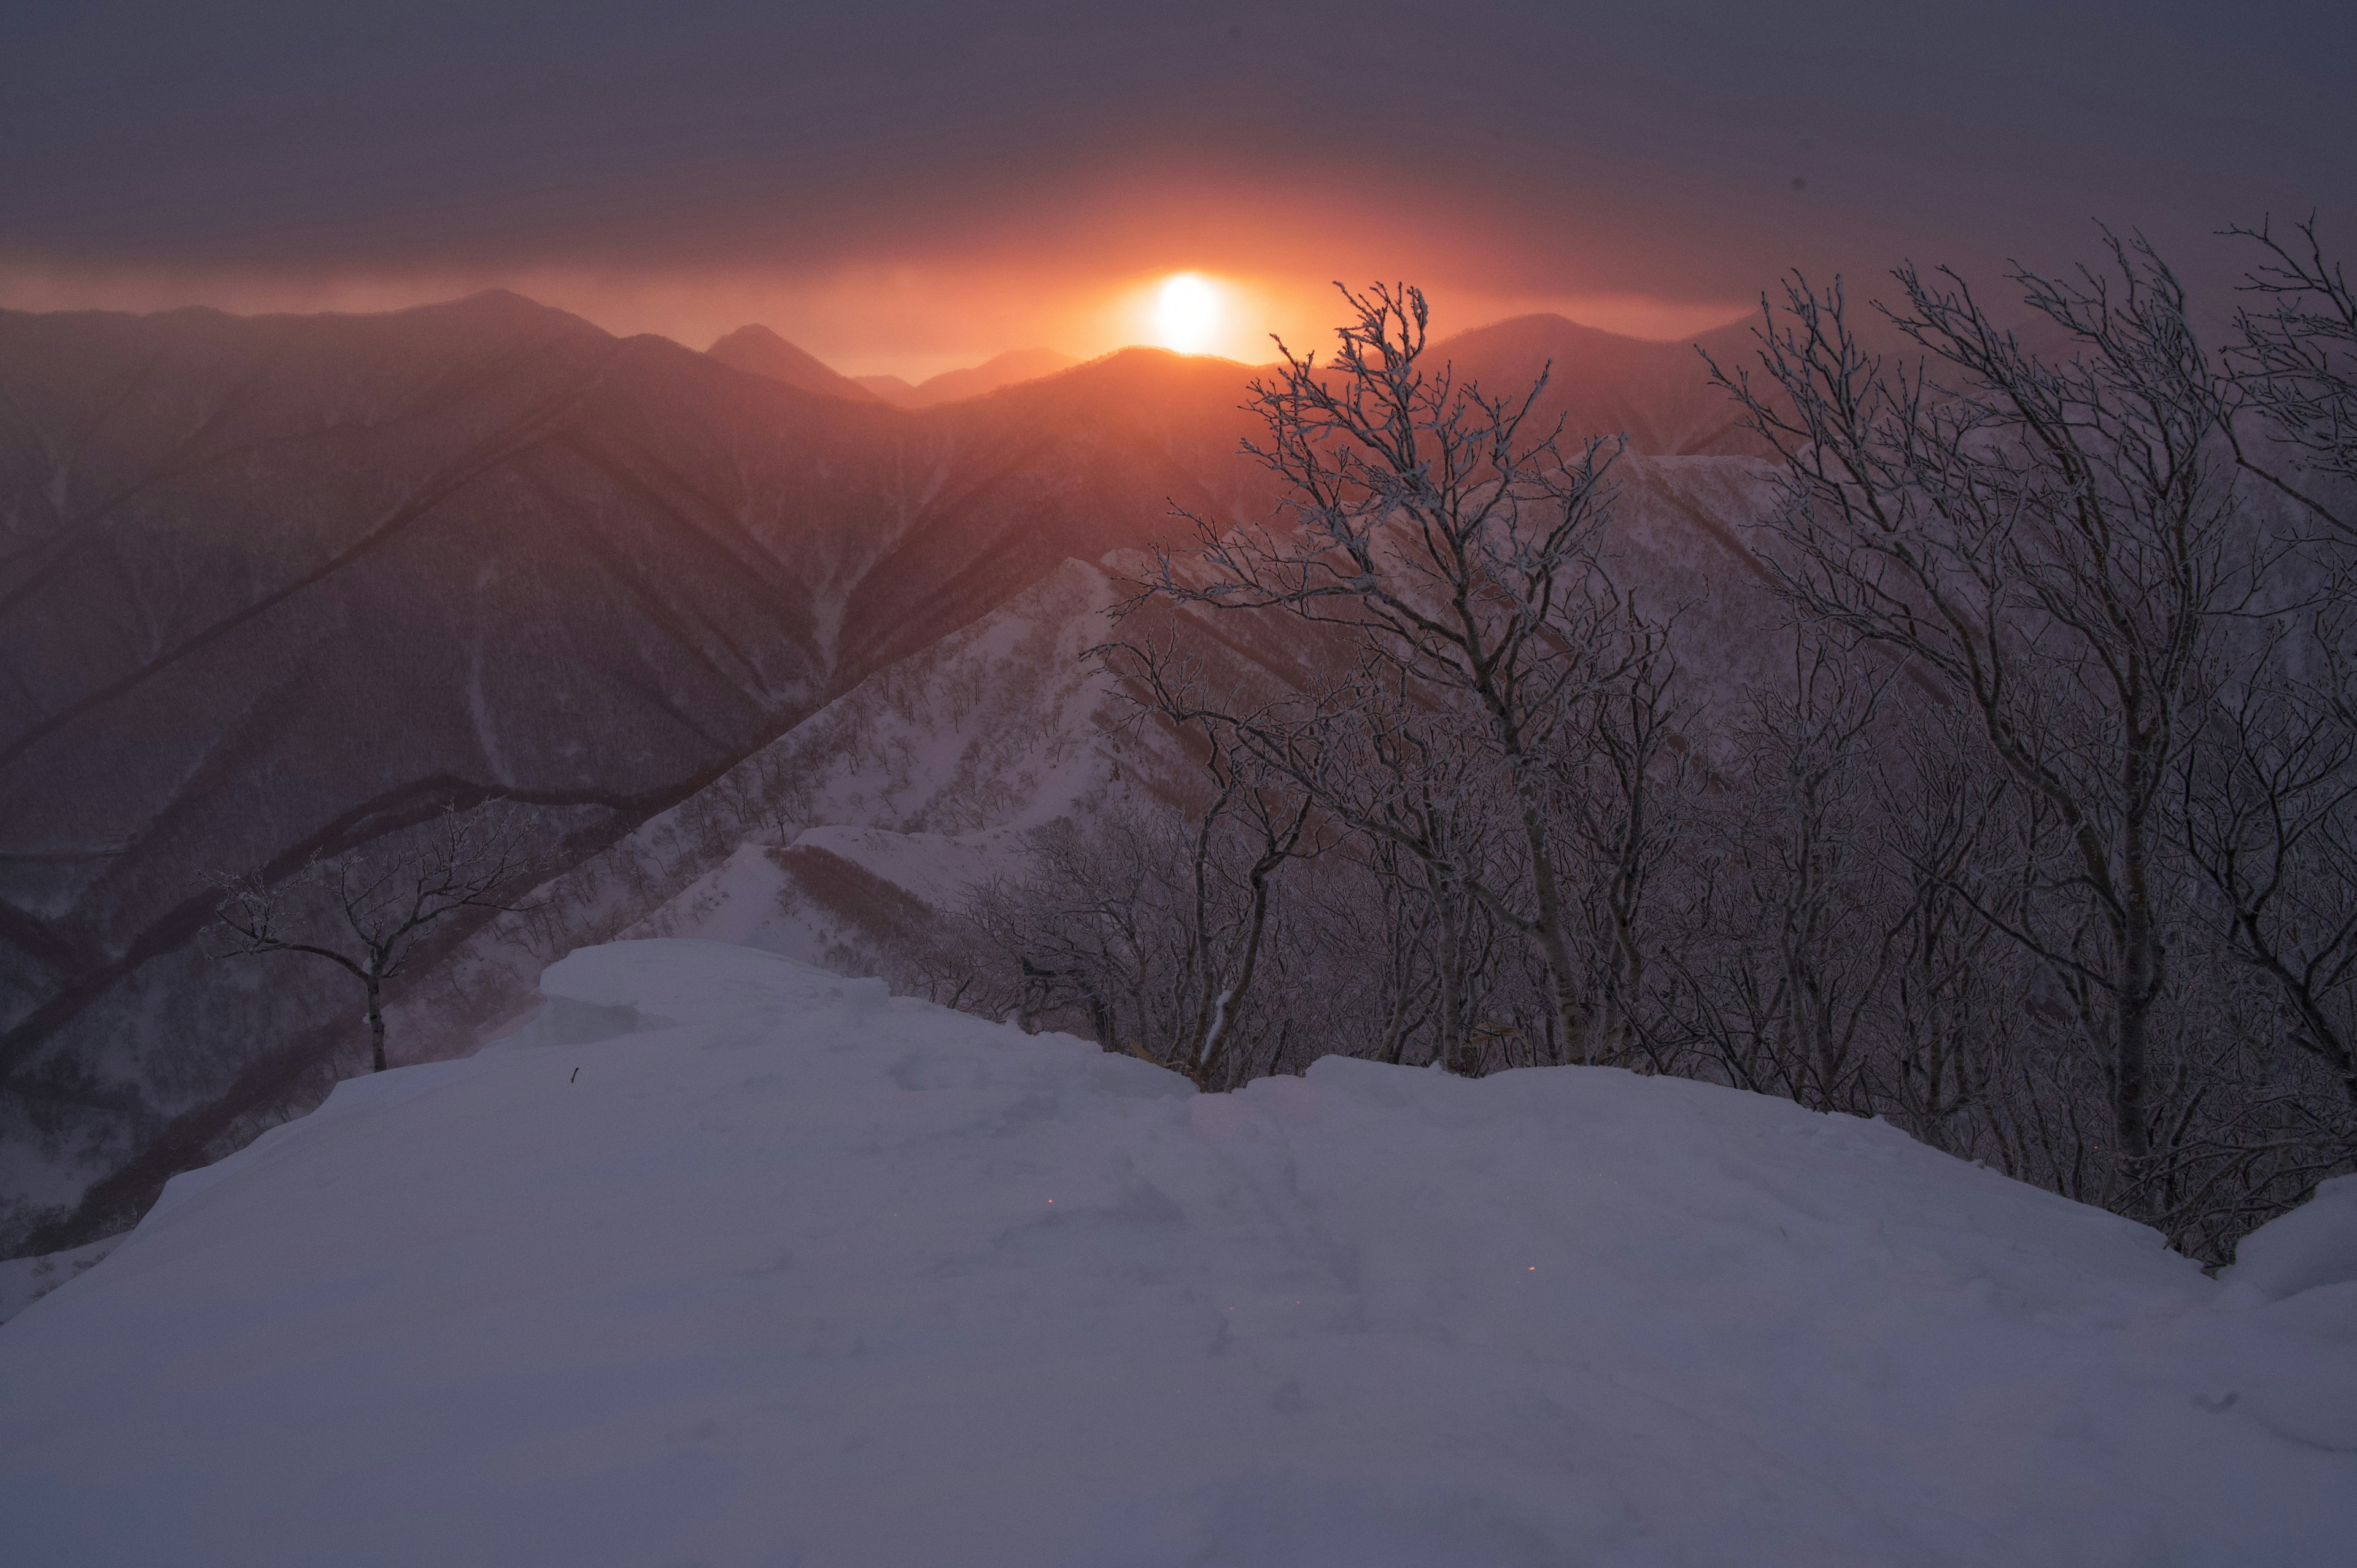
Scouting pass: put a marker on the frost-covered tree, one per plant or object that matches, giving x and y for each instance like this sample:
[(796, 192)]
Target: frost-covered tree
[(2055, 543), (1451, 537), (2294, 365), (2043, 850)]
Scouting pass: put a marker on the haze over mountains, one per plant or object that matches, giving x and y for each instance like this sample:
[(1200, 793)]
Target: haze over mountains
[(277, 586), (999, 370), (760, 352)]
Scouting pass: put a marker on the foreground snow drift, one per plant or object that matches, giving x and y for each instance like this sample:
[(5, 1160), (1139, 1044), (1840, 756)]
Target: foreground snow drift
[(791, 1272)]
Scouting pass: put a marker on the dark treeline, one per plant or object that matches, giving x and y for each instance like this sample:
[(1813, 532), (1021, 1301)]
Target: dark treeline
[(2045, 848)]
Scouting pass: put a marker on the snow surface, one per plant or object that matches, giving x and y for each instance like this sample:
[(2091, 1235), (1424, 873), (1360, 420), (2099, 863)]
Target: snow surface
[(24, 1281), (725, 1260), (2313, 1246)]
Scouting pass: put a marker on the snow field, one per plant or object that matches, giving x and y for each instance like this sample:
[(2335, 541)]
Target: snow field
[(725, 1260)]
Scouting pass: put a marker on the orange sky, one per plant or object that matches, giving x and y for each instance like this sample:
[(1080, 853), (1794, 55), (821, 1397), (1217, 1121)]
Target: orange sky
[(908, 186), (907, 321)]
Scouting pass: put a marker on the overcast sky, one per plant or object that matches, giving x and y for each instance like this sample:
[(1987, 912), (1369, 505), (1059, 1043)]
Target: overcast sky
[(898, 185)]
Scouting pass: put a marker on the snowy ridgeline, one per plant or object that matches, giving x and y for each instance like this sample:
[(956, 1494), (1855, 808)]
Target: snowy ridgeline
[(725, 1260)]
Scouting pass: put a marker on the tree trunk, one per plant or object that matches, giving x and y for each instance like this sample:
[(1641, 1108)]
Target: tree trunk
[(1231, 996), (2139, 989), (376, 1025), (1446, 1049), (1548, 928)]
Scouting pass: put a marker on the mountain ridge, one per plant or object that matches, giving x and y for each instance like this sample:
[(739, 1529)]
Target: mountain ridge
[(276, 584)]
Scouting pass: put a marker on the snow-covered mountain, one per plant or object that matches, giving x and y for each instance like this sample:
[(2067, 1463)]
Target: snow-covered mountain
[(277, 586), (274, 587), (837, 842), (724, 1259)]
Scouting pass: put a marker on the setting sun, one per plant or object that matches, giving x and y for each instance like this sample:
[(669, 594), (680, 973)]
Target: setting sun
[(1187, 314)]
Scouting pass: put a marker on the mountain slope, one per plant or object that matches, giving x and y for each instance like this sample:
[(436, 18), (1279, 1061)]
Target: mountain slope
[(728, 1260), (1602, 383), (278, 587)]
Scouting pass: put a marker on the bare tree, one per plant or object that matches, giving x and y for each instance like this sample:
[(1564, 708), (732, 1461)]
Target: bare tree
[(1226, 948), (1413, 792), (2295, 363), (1379, 906), (1158, 926), (365, 911), (2046, 854), (1621, 781), (1950, 1065), (2054, 547), (1781, 955), (1448, 535), (2271, 820)]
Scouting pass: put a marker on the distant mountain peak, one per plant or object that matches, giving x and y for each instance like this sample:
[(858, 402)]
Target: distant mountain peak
[(505, 306), (506, 297), (756, 350), (753, 338)]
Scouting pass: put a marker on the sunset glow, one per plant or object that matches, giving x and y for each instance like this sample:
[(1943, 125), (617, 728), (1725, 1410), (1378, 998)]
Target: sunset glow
[(1332, 624), (1187, 314)]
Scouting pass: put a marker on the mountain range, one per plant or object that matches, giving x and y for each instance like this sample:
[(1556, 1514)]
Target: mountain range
[(1001, 370), (272, 588), (757, 351)]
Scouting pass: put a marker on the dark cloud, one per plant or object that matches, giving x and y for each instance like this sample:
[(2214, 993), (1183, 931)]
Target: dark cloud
[(1678, 151)]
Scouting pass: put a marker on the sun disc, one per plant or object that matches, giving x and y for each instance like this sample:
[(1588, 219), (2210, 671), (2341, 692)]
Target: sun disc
[(1187, 313)]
